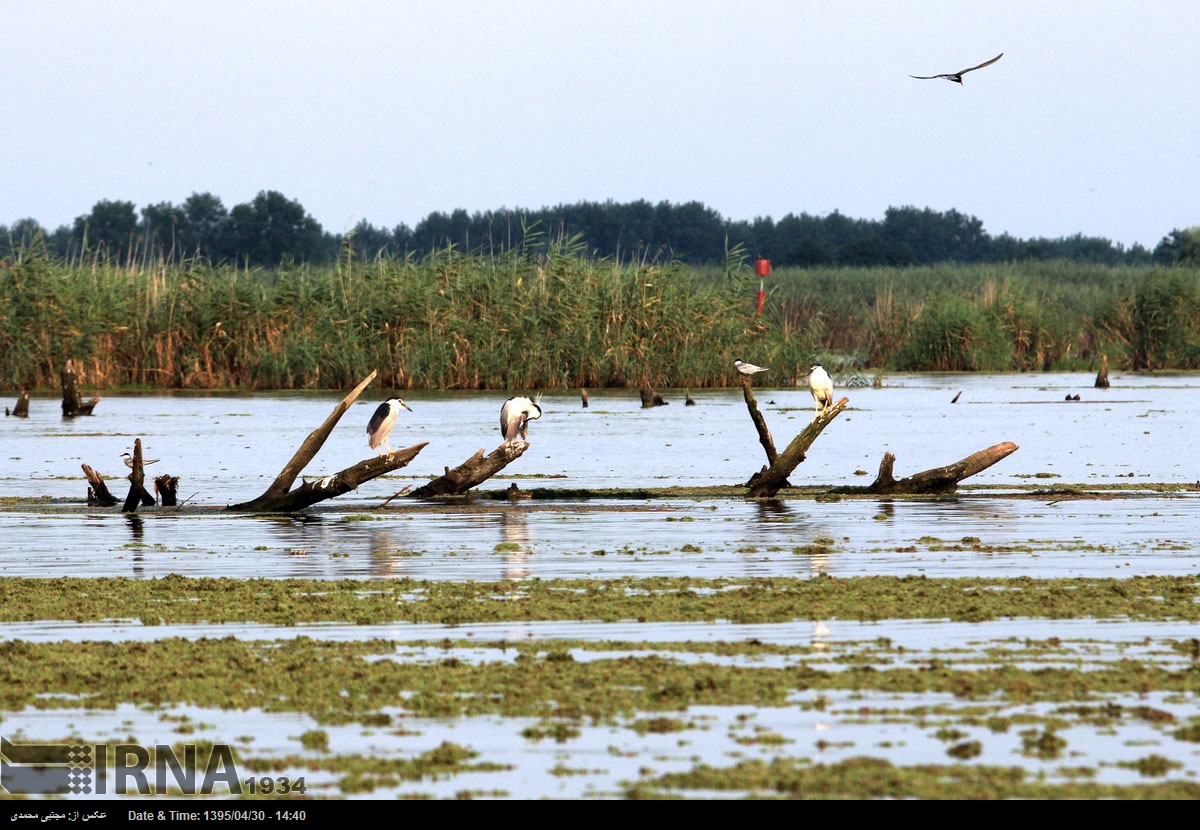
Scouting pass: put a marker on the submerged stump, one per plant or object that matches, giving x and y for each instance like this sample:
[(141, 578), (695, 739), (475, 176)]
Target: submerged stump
[(21, 409), (98, 493), (72, 404)]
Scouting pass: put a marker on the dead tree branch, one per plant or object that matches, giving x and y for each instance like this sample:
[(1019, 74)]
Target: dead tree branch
[(474, 471), (279, 496), (937, 480), (760, 423), (768, 482)]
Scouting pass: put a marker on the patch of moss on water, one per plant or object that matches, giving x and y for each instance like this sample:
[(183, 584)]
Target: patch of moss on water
[(341, 682), (176, 600), (863, 778)]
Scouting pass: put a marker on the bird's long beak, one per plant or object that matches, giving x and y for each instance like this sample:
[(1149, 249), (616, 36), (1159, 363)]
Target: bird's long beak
[(406, 406)]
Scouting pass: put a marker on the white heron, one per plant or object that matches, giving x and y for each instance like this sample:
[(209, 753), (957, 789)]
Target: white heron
[(748, 368), (515, 415), (128, 459), (381, 423), (822, 389)]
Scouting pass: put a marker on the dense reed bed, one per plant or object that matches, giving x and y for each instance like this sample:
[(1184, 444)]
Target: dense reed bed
[(563, 319)]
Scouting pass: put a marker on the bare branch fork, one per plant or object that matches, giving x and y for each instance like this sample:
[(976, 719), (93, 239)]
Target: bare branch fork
[(770, 481), (279, 496)]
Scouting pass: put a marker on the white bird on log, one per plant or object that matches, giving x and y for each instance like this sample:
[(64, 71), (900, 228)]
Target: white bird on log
[(381, 423), (956, 77), (748, 368), (128, 459), (515, 415), (822, 389)]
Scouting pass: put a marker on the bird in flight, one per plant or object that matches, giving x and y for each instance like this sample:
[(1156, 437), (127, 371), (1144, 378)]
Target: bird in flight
[(957, 76)]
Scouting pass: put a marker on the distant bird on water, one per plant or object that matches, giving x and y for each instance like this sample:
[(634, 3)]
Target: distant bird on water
[(822, 389), (748, 368), (381, 423), (515, 415), (956, 77), (128, 459)]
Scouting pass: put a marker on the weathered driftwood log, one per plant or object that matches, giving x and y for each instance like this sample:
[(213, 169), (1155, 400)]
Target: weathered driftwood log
[(97, 490), (939, 479), (651, 398), (768, 482), (280, 497), (21, 409), (760, 423), (474, 471), (311, 492), (72, 405), (1102, 375), (137, 481), (166, 487)]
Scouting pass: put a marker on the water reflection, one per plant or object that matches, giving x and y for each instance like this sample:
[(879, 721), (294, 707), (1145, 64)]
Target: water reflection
[(514, 530)]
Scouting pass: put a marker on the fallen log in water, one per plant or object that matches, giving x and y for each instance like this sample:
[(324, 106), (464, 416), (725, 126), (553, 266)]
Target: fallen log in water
[(937, 480), (279, 497), (472, 472)]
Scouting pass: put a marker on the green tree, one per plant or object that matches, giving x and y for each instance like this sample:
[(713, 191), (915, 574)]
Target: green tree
[(273, 228), (111, 230)]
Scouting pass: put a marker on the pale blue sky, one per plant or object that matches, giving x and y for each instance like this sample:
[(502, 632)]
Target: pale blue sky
[(386, 111)]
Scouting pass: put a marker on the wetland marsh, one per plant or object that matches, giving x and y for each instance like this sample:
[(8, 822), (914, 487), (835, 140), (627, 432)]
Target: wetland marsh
[(1033, 635)]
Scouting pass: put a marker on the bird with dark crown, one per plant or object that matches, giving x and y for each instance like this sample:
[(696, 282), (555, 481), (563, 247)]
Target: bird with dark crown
[(381, 423)]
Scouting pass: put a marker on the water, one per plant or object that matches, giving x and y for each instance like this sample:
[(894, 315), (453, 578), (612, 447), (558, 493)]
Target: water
[(228, 448)]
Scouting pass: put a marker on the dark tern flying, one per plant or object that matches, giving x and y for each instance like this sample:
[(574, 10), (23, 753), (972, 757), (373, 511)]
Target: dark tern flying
[(957, 76)]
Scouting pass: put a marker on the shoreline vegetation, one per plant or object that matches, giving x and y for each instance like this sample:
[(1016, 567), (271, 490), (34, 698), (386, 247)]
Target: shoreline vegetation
[(562, 319)]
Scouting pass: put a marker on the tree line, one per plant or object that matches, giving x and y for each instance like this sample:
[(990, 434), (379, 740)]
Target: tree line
[(273, 230)]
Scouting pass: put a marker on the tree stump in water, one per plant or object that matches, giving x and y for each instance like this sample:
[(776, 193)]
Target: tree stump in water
[(137, 479), (21, 410), (166, 487), (1102, 375), (72, 405), (97, 490), (650, 398), (583, 397)]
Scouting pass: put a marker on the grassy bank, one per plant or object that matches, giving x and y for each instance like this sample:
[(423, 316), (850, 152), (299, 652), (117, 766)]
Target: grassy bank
[(563, 320)]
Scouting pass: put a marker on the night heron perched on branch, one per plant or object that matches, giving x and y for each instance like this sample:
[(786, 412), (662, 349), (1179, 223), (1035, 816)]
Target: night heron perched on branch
[(822, 389), (128, 459), (748, 368), (381, 423), (515, 415)]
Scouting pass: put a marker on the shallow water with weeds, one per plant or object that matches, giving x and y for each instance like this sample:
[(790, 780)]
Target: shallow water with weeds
[(1034, 635)]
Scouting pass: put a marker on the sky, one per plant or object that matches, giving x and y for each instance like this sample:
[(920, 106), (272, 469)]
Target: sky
[(387, 111)]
